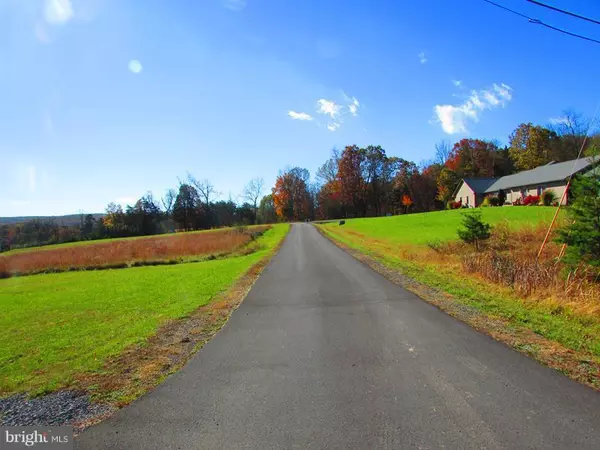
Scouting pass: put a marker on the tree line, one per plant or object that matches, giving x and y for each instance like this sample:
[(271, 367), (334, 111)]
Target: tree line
[(192, 206), (359, 182)]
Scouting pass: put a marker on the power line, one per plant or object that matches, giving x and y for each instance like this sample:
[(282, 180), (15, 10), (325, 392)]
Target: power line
[(539, 22), (543, 5)]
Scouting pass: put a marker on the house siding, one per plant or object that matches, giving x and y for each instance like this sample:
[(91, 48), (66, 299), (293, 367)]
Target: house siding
[(523, 191), (466, 194)]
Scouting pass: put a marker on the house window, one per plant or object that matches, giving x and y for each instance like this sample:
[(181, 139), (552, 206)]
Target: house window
[(467, 200), (523, 192), (539, 190)]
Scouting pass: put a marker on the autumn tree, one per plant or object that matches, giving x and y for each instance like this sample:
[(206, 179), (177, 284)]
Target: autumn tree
[(291, 197), (532, 146), (473, 158), (406, 202), (446, 184), (351, 182)]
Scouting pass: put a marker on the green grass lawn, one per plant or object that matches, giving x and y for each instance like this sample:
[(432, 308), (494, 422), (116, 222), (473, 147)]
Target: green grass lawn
[(54, 326), (440, 225)]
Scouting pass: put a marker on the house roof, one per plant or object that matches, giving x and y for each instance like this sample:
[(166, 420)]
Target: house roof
[(543, 174), (479, 185)]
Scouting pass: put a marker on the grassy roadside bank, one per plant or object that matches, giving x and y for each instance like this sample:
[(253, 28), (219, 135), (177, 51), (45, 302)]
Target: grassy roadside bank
[(555, 335), (70, 330)]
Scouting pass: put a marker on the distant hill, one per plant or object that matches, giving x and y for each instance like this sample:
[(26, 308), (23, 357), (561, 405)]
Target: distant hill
[(68, 220)]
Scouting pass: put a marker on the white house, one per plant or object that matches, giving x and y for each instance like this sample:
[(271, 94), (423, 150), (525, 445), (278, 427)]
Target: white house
[(554, 176)]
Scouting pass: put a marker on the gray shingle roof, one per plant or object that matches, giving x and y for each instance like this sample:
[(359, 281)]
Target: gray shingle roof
[(540, 175), (479, 185)]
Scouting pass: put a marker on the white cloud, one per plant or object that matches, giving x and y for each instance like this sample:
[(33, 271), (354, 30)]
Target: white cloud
[(353, 106), (135, 66), (31, 178), (457, 83), (299, 115), (333, 126), (422, 58), (455, 118), (58, 11), (234, 5), (328, 107)]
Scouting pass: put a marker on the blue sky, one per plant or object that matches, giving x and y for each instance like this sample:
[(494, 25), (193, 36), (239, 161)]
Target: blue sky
[(103, 100)]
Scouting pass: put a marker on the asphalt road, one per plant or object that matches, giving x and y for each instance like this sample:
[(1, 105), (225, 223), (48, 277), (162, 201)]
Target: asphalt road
[(326, 353)]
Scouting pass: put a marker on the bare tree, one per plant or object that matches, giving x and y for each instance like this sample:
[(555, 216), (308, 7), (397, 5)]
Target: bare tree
[(329, 170), (253, 192), (168, 200), (571, 128), (205, 188), (442, 152)]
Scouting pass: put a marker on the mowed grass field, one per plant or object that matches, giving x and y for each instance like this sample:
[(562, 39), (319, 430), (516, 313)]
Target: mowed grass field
[(56, 326), (439, 225), (122, 252), (557, 312)]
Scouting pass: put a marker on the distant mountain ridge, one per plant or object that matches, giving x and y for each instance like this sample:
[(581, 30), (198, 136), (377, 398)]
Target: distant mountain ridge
[(67, 220)]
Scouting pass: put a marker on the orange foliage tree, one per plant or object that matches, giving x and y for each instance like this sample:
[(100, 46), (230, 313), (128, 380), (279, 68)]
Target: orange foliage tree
[(290, 195), (406, 202)]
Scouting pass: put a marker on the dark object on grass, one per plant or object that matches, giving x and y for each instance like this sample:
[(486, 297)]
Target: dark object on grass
[(474, 230), (342, 222)]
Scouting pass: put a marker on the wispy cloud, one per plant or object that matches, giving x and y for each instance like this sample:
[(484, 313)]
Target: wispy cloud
[(353, 105), (299, 115), (58, 12), (457, 83), (335, 112), (455, 118), (422, 58), (234, 5), (135, 66), (328, 107)]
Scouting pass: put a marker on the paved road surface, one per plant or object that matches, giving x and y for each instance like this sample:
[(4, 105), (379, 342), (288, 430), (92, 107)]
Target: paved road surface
[(326, 353)]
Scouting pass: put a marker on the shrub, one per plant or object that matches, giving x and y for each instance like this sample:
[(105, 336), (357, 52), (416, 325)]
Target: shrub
[(494, 201), (548, 197), (454, 205), (474, 230), (531, 200), (501, 197), (583, 234), (486, 202), (518, 202)]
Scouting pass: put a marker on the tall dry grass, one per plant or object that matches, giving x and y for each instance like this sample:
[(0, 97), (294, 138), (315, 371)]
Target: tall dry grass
[(510, 259), (122, 253)]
